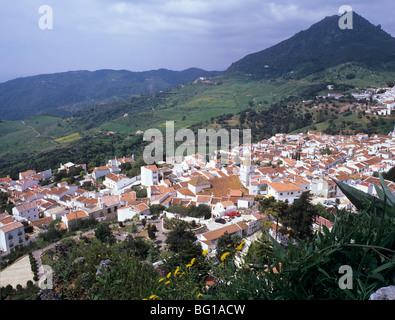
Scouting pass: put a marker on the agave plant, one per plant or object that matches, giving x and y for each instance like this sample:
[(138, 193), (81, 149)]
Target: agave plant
[(359, 199)]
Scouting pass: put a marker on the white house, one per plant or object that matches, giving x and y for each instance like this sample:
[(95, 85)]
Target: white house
[(245, 202), (25, 183), (197, 184), (208, 240), (27, 174), (73, 217), (100, 172), (56, 212), (284, 190), (28, 211), (149, 175), (127, 212), (12, 234), (222, 208), (116, 182)]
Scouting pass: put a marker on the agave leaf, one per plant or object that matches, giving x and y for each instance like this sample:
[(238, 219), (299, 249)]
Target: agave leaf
[(358, 198), (277, 247), (387, 191), (379, 192)]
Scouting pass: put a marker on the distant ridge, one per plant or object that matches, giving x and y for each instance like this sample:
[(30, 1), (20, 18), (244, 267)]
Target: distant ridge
[(321, 46), (61, 94)]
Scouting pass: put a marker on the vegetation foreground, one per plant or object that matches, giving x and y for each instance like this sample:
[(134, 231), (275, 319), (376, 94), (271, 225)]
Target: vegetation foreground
[(101, 268)]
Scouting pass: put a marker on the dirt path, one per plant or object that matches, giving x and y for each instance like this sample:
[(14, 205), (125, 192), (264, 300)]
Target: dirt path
[(34, 130)]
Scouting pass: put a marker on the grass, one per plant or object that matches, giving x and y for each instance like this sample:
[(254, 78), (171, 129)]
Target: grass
[(70, 138)]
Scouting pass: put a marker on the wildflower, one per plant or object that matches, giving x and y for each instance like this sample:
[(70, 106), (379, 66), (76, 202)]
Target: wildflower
[(189, 265), (193, 261), (223, 257), (153, 297), (169, 274), (198, 295), (288, 235), (205, 252), (238, 248), (160, 280), (176, 272), (167, 282)]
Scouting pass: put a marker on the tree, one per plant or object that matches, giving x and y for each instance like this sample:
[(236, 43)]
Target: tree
[(151, 229), (180, 238), (227, 243), (260, 251), (182, 242), (137, 247), (300, 216), (104, 233), (390, 175), (156, 209), (202, 210), (275, 209)]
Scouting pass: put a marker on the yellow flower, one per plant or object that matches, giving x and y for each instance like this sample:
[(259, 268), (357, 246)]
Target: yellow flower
[(168, 276), (167, 282), (240, 246), (176, 272), (223, 257), (153, 297), (204, 252), (193, 261), (198, 295), (288, 235), (160, 280), (189, 265)]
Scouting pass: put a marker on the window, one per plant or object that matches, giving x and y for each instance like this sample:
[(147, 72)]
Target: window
[(281, 193)]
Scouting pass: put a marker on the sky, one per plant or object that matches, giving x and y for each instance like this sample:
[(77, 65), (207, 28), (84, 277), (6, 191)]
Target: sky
[(141, 35)]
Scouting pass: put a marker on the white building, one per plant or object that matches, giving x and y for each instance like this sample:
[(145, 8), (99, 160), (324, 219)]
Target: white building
[(73, 217), (284, 190), (140, 210), (28, 211), (116, 182), (149, 175), (100, 172), (12, 234), (222, 208)]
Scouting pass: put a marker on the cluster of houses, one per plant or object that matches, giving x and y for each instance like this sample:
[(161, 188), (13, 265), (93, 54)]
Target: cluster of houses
[(384, 97), (283, 166)]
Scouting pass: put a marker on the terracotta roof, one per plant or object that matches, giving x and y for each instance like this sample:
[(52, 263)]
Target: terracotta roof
[(26, 206), (198, 181), (281, 186), (215, 234), (41, 221), (11, 226), (79, 214), (151, 167), (7, 220), (140, 207), (110, 200)]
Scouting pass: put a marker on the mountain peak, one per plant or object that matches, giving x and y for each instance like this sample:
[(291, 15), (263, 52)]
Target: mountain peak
[(322, 45)]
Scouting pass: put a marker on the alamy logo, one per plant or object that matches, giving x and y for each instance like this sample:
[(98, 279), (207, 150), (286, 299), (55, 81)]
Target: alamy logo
[(46, 20), (154, 152), (345, 21), (345, 281), (46, 281)]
